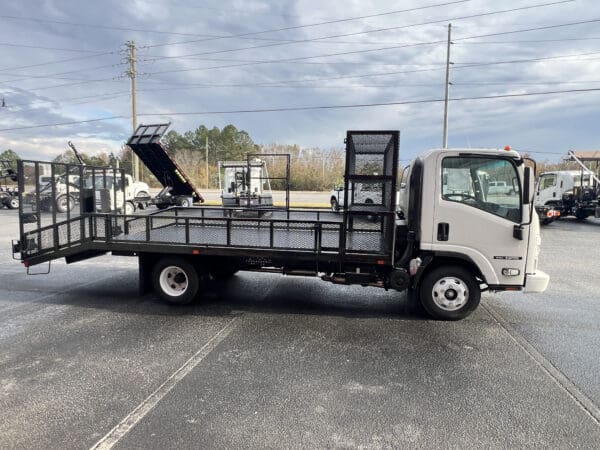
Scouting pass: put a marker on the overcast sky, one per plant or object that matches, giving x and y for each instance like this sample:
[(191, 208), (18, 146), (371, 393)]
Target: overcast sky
[(64, 61)]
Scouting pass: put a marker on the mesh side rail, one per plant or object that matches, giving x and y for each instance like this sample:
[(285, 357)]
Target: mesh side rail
[(233, 232), (55, 237)]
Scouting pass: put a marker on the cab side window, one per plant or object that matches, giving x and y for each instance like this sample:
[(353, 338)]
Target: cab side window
[(489, 184)]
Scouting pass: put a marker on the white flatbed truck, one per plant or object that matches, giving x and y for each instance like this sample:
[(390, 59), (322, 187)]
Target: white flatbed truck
[(450, 248)]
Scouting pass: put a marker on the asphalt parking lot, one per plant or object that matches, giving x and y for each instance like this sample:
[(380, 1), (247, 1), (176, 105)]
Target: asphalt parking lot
[(267, 361)]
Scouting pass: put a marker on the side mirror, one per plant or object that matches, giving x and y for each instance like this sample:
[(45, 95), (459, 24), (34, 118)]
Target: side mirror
[(518, 232)]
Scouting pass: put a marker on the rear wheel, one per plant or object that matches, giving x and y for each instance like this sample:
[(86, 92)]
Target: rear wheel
[(580, 214), (64, 203), (184, 202), (175, 280), (12, 203), (129, 208), (449, 293)]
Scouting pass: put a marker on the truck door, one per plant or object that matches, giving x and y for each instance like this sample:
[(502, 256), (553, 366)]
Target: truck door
[(478, 223), (547, 190)]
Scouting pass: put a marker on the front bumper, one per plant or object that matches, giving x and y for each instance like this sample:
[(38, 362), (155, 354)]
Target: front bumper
[(536, 282)]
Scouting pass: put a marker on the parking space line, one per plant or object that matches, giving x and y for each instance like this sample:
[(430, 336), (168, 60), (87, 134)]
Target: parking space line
[(131, 420), (584, 402)]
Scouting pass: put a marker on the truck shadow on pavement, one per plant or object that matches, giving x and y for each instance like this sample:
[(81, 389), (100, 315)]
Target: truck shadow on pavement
[(252, 293)]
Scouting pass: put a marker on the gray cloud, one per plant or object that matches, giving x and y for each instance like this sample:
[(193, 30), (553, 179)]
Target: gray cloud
[(534, 123)]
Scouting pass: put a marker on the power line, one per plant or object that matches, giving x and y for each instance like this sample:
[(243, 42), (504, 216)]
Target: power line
[(90, 99), (296, 27), (286, 61), (75, 122), (531, 41), (77, 58), (366, 86), (56, 75), (308, 108), (524, 30), (37, 47), (367, 105), (372, 31), (395, 47), (456, 67), (71, 84), (213, 37), (276, 83)]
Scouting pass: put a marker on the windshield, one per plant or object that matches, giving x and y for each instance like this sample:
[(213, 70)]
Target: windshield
[(488, 184)]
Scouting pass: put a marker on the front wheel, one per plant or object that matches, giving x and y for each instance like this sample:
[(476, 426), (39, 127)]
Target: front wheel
[(449, 293), (175, 280)]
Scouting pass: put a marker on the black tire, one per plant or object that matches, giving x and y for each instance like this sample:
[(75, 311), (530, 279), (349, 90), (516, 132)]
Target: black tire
[(64, 203), (13, 203), (175, 280), (580, 215), (129, 208), (449, 293), (335, 207)]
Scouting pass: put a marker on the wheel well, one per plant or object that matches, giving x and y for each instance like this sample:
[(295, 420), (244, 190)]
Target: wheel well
[(443, 260)]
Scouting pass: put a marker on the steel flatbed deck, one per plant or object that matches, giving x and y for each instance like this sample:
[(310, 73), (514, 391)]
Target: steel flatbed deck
[(218, 231)]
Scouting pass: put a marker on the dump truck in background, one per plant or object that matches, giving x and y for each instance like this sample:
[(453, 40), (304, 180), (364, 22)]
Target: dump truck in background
[(450, 247), (178, 189), (570, 192)]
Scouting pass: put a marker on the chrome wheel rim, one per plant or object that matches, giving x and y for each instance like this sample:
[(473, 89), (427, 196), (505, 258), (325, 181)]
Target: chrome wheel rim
[(173, 281), (450, 293)]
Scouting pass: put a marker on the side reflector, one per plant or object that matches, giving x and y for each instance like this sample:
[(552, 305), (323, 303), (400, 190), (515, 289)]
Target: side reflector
[(195, 251), (380, 262)]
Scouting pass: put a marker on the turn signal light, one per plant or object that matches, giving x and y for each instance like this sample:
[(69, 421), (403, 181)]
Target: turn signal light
[(509, 272)]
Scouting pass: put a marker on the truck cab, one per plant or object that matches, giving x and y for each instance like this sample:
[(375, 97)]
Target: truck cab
[(552, 185), (460, 226)]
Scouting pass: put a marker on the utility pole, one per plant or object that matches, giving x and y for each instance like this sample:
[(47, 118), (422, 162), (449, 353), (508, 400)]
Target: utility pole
[(132, 73), (447, 95), (206, 157)]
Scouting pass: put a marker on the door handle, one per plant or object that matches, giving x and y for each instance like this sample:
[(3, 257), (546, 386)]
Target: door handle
[(443, 231), (554, 194)]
